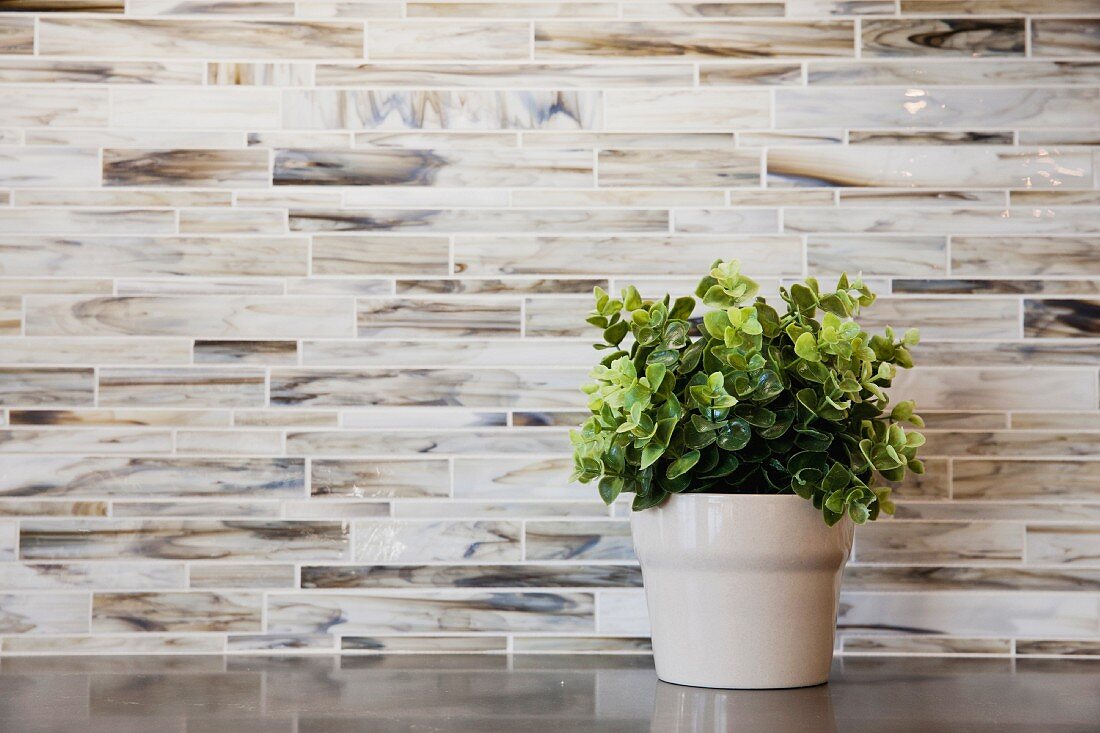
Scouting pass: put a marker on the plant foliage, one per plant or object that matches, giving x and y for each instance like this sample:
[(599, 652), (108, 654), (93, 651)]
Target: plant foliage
[(747, 401)]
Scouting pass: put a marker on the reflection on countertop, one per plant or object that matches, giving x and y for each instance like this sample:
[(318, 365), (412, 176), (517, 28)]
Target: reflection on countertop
[(531, 693)]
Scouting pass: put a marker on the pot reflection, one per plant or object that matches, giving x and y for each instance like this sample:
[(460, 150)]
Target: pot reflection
[(679, 709)]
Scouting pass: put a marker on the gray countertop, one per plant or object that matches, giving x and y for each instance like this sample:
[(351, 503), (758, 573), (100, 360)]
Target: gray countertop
[(323, 694)]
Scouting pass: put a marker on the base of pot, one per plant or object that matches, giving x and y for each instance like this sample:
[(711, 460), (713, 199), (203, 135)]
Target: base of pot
[(706, 686)]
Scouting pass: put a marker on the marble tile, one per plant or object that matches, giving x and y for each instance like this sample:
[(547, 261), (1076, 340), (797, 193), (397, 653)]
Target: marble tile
[(954, 318), (138, 197), (380, 479), (637, 255), (434, 168), (182, 387), (923, 644), (544, 388), (380, 255), (176, 612), (969, 613), (258, 74), (444, 442), (139, 417), (76, 221), (34, 508), (467, 221), (53, 167), (1013, 444), (943, 220), (1070, 544), (430, 611), (395, 109), (748, 39), (225, 316), (17, 35), (36, 71), (696, 168), (412, 541), (192, 39), (182, 539), (1020, 108), (1062, 318), (31, 350), (877, 255), (919, 72), (1065, 37), (443, 644), (448, 40), (414, 417), (1009, 511), (93, 644), (930, 167), (968, 388), (32, 387), (44, 613), (423, 317), (1019, 480), (195, 109), (939, 543), (963, 37), (53, 107), (983, 7), (185, 509), (716, 73), (246, 352), (971, 579), (559, 76), (220, 168), (91, 477), (579, 540), (709, 110), (99, 440), (510, 10), (468, 352), (527, 575), (1060, 647), (11, 315), (228, 575), (235, 442), (123, 256)]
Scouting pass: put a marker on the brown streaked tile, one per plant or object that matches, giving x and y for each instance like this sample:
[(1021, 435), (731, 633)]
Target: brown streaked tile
[(1063, 544), (923, 644), (477, 220), (232, 221), (376, 479), (939, 542), (1025, 256), (232, 168), (960, 578), (207, 418), (182, 387), (1058, 647), (17, 35), (1022, 353), (11, 315), (216, 316), (976, 388), (448, 41), (49, 167), (218, 574), (35, 508), (100, 440), (53, 106), (956, 286), (1066, 37), (937, 137), (171, 612), (101, 576), (225, 73), (412, 167), (1014, 480), (558, 76), (428, 611), (475, 286), (472, 576), (183, 539), (1079, 318), (246, 352), (442, 644), (746, 39), (413, 318), (1056, 420), (875, 255), (986, 7), (31, 71), (1033, 512), (934, 483), (964, 37), (377, 443), (749, 74), (97, 644), (191, 39), (44, 613), (1012, 444)]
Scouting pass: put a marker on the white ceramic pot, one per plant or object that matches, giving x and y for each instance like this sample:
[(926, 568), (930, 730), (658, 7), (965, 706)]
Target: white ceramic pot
[(742, 588)]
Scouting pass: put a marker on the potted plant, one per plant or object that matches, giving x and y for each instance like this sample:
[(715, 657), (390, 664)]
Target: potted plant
[(752, 441)]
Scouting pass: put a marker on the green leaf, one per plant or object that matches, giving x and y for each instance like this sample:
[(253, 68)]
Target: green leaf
[(806, 347), (650, 454), (735, 435), (682, 464), (859, 513), (610, 488)]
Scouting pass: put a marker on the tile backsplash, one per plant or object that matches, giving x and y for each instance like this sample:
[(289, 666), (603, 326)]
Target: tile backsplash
[(292, 299)]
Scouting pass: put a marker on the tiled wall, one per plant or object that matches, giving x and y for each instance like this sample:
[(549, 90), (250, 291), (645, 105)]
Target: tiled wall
[(292, 296)]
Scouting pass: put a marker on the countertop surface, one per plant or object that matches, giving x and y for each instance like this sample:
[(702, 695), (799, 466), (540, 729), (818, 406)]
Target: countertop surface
[(530, 693)]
